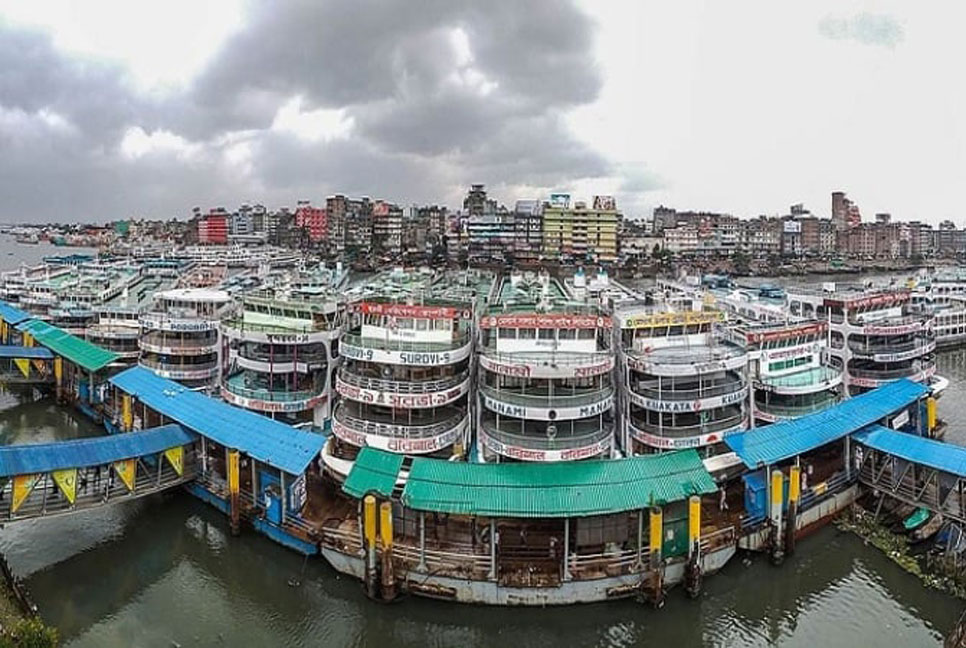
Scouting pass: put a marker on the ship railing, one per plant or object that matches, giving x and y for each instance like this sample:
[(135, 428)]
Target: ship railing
[(672, 431), (588, 397), (340, 539), (242, 326), (613, 563), (890, 347), (824, 490), (457, 342), (886, 374), (563, 441), (889, 321), (273, 396), (401, 386), (751, 523), (318, 357), (398, 430), (549, 358), (717, 539), (436, 560), (672, 393), (178, 366), (174, 339), (689, 355), (793, 411)]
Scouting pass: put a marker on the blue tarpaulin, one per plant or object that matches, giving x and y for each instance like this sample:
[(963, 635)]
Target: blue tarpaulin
[(33, 353), (785, 439), (928, 452), (29, 458), (13, 315), (272, 442)]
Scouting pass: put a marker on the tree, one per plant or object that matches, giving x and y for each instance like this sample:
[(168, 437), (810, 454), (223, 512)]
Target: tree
[(656, 252), (742, 263), (30, 633)]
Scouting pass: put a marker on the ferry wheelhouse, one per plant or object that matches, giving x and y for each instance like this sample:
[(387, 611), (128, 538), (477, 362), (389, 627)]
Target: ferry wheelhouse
[(789, 369), (407, 364), (282, 343), (684, 380), (545, 386), (873, 333), (180, 338), (117, 329)]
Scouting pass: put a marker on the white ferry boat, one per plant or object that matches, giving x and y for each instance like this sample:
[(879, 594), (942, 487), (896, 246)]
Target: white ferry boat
[(789, 368), (685, 382), (407, 364), (180, 336), (874, 334), (545, 383), (282, 345)]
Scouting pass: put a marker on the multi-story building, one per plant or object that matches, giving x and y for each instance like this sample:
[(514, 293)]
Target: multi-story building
[(762, 236), (387, 230), (491, 237), (312, 220), (528, 224), (578, 233), (213, 227)]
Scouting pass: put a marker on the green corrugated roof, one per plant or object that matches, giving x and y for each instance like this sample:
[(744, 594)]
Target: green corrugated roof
[(80, 352), (565, 489), (374, 470)]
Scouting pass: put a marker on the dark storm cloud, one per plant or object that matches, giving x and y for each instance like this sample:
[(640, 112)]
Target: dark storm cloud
[(428, 116)]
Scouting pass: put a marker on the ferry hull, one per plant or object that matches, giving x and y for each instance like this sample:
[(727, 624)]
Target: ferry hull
[(464, 590)]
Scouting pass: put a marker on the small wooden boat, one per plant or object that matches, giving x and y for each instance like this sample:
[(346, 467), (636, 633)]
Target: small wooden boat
[(919, 517), (927, 530)]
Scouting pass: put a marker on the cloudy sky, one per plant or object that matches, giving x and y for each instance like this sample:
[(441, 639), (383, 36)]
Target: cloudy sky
[(110, 110)]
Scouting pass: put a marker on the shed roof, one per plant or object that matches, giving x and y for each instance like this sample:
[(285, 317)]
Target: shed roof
[(786, 439), (81, 352), (39, 353), (32, 458), (373, 471), (555, 490), (13, 315), (928, 452), (272, 442)]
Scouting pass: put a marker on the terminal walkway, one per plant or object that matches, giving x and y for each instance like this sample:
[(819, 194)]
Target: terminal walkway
[(45, 479), (21, 365), (915, 470)]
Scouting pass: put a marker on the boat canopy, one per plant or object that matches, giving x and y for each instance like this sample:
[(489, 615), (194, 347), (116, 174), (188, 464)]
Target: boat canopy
[(535, 490), (786, 439), (944, 457)]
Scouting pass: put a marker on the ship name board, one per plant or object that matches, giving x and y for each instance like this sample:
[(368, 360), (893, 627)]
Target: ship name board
[(674, 406), (422, 358), (529, 454), (679, 443), (672, 319), (394, 444), (548, 321), (786, 333), (405, 401), (872, 329), (273, 406), (410, 311)]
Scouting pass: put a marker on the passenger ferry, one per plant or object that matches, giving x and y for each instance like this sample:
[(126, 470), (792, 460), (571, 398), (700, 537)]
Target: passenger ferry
[(685, 382), (180, 336), (545, 385), (789, 368), (282, 345), (874, 334), (407, 365)]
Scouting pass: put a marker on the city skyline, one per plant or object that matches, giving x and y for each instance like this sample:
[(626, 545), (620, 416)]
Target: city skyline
[(657, 105)]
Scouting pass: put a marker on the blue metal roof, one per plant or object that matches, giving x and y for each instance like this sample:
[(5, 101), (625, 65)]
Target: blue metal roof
[(928, 452), (31, 458), (13, 315), (786, 439), (39, 353), (276, 444)]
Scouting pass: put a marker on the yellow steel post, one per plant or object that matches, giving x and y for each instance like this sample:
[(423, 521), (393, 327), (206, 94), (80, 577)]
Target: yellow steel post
[(777, 498), (234, 489), (385, 533), (656, 533), (930, 414), (694, 524), (369, 531), (127, 413)]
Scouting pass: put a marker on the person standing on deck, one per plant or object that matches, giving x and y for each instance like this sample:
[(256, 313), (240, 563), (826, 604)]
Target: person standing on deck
[(723, 500)]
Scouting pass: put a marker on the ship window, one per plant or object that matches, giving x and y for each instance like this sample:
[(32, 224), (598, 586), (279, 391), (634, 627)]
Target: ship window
[(567, 334), (404, 323), (507, 333), (545, 334), (528, 334), (586, 334), (422, 325)]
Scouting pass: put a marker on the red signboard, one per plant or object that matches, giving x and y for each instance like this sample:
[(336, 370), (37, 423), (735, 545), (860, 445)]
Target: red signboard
[(406, 310), (872, 300), (786, 333), (546, 321)]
